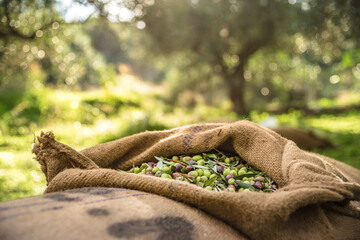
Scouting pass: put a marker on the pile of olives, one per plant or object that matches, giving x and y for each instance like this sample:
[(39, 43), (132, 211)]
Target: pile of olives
[(212, 171)]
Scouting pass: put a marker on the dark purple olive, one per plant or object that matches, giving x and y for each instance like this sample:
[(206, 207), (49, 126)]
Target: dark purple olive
[(259, 185), (175, 175), (178, 167), (189, 168), (220, 169), (229, 176), (152, 164)]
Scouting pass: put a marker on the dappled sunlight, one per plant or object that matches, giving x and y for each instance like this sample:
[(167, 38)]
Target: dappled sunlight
[(37, 176), (341, 124), (7, 158), (103, 126), (127, 84), (20, 176)]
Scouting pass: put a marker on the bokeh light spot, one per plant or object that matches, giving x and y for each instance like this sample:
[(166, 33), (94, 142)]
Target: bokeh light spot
[(39, 33), (265, 91), (55, 25), (140, 24), (41, 54), (334, 79), (224, 32)]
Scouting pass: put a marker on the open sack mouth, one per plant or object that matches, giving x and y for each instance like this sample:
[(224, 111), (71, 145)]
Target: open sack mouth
[(214, 171)]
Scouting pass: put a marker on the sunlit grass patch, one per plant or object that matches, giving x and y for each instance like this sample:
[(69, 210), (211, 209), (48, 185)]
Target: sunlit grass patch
[(349, 123), (20, 175)]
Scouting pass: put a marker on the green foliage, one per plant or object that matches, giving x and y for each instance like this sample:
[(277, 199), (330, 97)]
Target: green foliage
[(214, 40), (277, 54), (20, 175), (38, 48), (38, 108), (22, 111), (127, 126)]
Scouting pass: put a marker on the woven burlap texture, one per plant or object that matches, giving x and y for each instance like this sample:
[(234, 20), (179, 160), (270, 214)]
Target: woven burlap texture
[(318, 197)]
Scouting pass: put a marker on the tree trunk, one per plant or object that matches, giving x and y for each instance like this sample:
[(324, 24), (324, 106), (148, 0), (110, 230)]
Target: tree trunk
[(236, 85)]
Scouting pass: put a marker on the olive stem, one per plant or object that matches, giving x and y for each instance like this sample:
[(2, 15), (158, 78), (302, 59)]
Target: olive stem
[(220, 152), (220, 163), (185, 175), (170, 159)]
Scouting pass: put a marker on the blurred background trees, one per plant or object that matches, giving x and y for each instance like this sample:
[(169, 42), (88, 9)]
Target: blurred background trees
[(39, 48), (262, 51), (263, 54)]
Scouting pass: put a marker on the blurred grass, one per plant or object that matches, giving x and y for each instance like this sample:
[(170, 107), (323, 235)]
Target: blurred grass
[(343, 130), (83, 119)]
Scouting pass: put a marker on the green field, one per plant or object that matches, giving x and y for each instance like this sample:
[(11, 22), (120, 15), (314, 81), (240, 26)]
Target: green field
[(83, 119)]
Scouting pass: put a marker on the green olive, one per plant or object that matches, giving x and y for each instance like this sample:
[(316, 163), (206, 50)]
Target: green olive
[(234, 173), (197, 157), (200, 171), (165, 175), (231, 181), (213, 175), (226, 172), (207, 173), (155, 169), (186, 158), (193, 174), (203, 178), (201, 162)]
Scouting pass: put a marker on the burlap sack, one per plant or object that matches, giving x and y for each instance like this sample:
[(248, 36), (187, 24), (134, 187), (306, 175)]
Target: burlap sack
[(107, 213), (318, 197)]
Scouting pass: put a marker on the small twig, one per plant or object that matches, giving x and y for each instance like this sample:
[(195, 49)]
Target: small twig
[(34, 141), (170, 159), (220, 152), (185, 175), (220, 163)]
